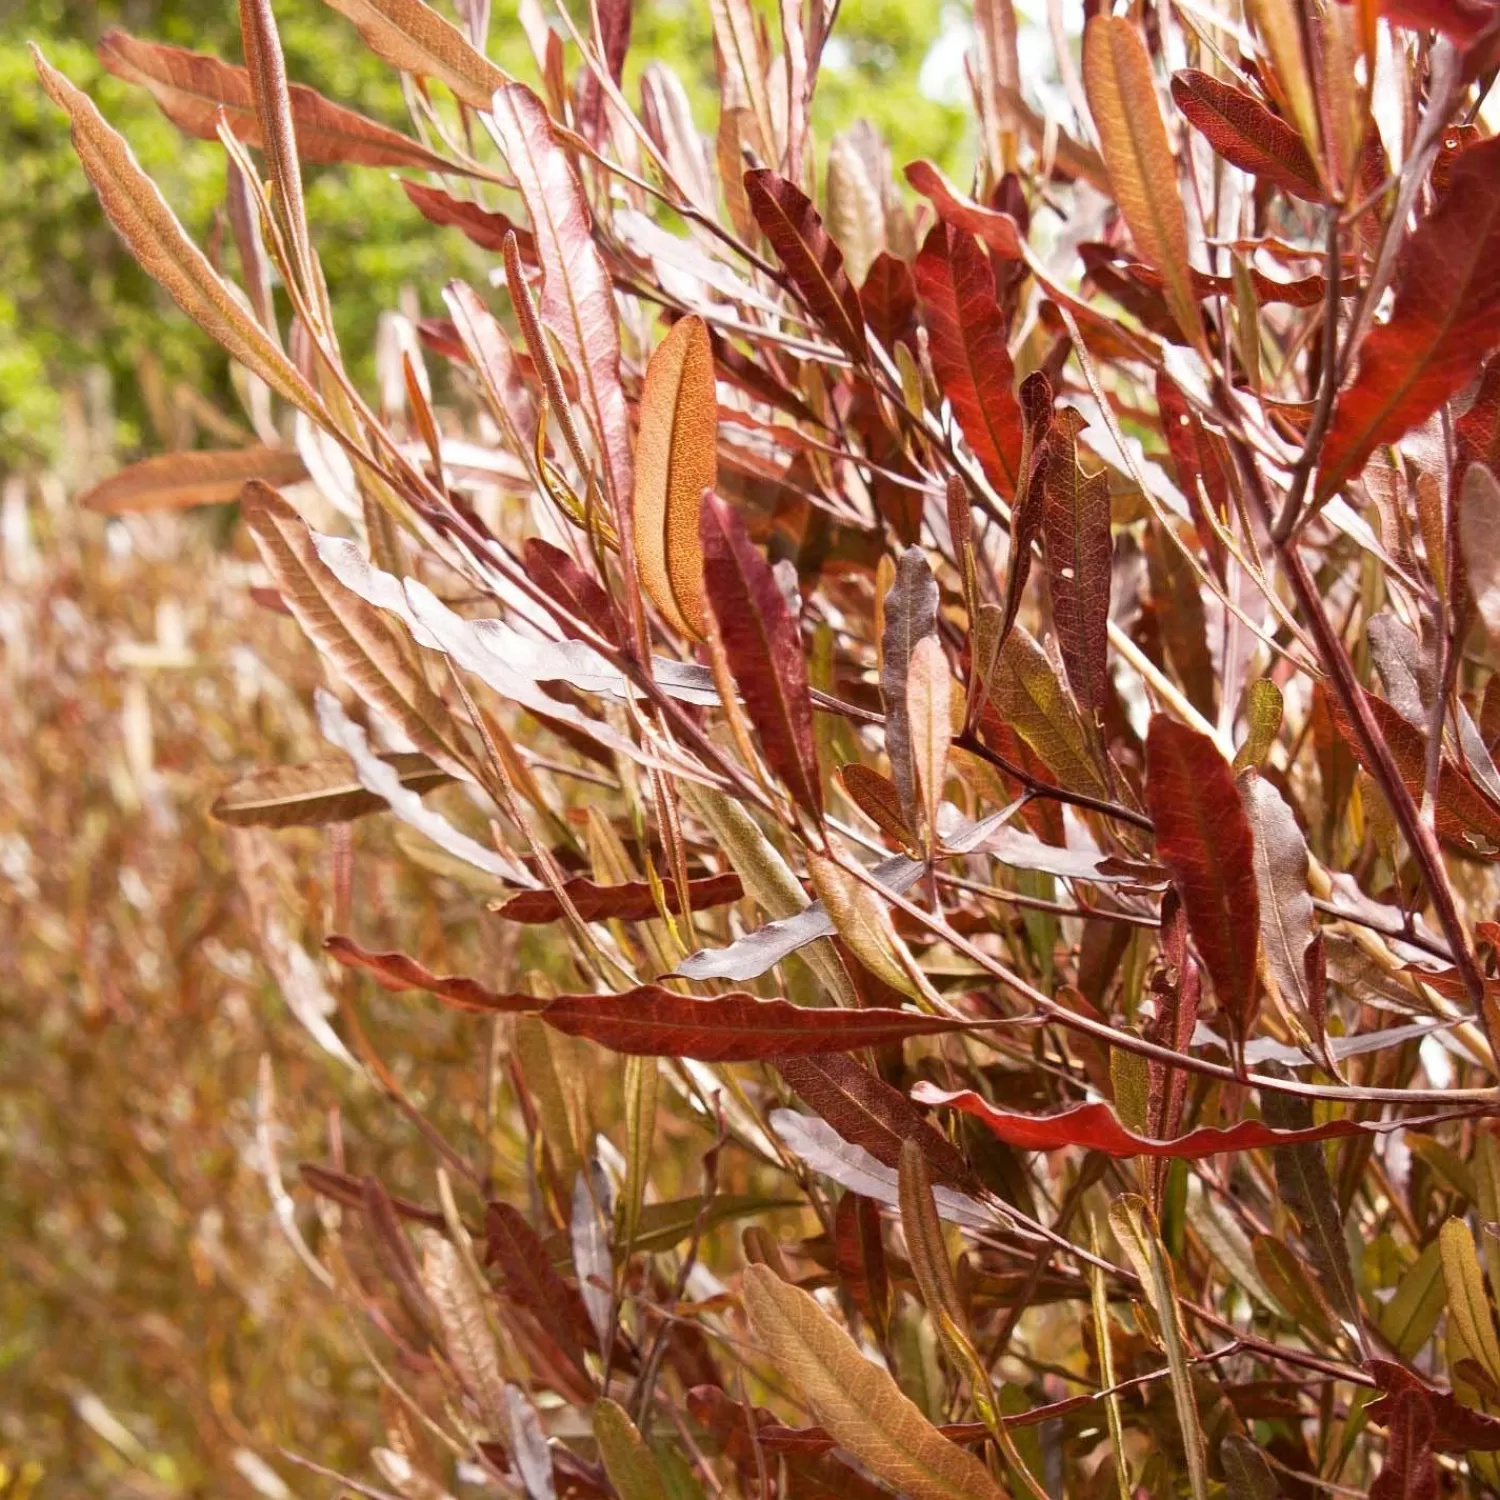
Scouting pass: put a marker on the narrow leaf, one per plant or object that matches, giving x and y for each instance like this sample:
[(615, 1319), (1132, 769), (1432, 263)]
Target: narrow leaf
[(316, 793), (175, 481), (631, 901), (1286, 911), (1246, 134), (415, 38), (929, 698), (910, 617)]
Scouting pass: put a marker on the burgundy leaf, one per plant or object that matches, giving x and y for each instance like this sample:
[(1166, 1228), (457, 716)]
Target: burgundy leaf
[(653, 1022), (1456, 1428), (1245, 133), (1203, 839), (527, 1275), (395, 971), (563, 581), (815, 264), (888, 299), (969, 352), (484, 228), (1001, 234), (1445, 321), (1075, 533), (1409, 1472), (764, 649), (630, 902), (1096, 1127)]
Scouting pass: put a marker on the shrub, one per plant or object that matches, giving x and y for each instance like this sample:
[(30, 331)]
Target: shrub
[(956, 736)]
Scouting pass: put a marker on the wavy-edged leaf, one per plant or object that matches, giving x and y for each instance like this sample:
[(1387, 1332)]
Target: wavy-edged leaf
[(676, 460), (864, 1109), (1204, 841), (1122, 98), (397, 971), (856, 1401), (192, 87), (577, 300), (630, 901), (652, 1022), (1246, 134), (316, 793), (139, 213), (415, 38), (1078, 551), (175, 481), (970, 356), (1024, 851), (1096, 1127), (350, 632), (813, 261), (1445, 320), (764, 649)]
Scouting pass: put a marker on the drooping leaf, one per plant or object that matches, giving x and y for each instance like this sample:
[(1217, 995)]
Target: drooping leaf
[(866, 1110), (856, 1401), (318, 792), (1075, 532), (1445, 320), (192, 87), (970, 357), (397, 971), (136, 208), (1204, 840), (815, 264), (632, 901), (577, 301), (480, 225), (1097, 1128), (1456, 1428), (1142, 170), (764, 648), (998, 230), (676, 460), (1409, 1472), (653, 1022), (410, 35), (1245, 133), (174, 481)]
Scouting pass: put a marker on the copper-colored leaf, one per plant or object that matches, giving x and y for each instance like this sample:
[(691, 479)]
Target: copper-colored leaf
[(396, 971), (174, 481), (1245, 133), (1142, 170), (877, 798), (653, 1022), (969, 352), (322, 791), (1445, 320), (1075, 533), (632, 901), (815, 264), (1096, 1127), (192, 87), (413, 37), (764, 648), (1204, 840), (484, 228), (140, 214), (676, 460)]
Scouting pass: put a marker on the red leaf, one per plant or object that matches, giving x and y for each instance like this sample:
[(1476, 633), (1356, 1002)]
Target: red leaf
[(1035, 401), (630, 902), (1096, 1128), (1245, 133), (1464, 20), (529, 1279), (859, 1256), (1075, 534), (813, 261), (1198, 460), (1456, 1428), (563, 581), (1463, 814), (1000, 232), (395, 971), (653, 1022), (485, 229), (888, 298), (1409, 1472), (1204, 840), (969, 352), (764, 648), (1445, 320)]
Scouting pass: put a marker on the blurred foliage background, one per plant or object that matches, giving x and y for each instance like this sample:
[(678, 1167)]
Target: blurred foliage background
[(158, 1336)]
